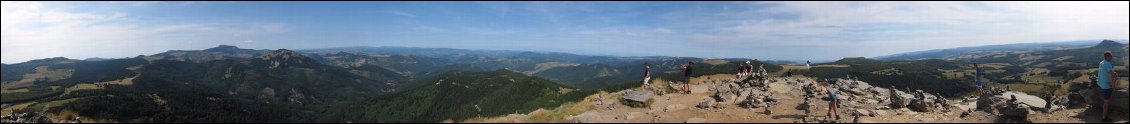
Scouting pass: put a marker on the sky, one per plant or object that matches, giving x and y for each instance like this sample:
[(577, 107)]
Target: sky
[(755, 30)]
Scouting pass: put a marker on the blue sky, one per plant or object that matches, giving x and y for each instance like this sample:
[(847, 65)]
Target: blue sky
[(757, 30)]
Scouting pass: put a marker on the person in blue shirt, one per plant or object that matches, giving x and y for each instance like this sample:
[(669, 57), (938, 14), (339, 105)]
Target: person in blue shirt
[(977, 79), (1106, 76)]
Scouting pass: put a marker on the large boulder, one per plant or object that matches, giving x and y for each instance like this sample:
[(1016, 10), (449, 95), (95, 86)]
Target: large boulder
[(725, 97), (1118, 102), (1024, 98), (880, 92), (921, 105), (638, 98), (751, 102), (900, 99), (988, 104), (854, 91), (723, 88), (706, 103), (699, 89), (1016, 111)]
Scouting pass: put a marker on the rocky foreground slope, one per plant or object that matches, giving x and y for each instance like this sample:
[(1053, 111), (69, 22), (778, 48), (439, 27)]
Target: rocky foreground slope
[(784, 100)]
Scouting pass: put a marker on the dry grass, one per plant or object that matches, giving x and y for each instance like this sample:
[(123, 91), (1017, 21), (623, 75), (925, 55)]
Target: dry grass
[(8, 111), (716, 62), (832, 66), (556, 115), (550, 65), (94, 86), (81, 87), (890, 71), (956, 73), (1027, 88), (41, 73), (65, 114), (707, 78), (20, 90), (786, 68), (41, 106), (565, 90)]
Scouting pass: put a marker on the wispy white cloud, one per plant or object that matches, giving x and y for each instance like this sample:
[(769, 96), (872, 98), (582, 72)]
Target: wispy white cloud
[(401, 13), (916, 25), (33, 30)]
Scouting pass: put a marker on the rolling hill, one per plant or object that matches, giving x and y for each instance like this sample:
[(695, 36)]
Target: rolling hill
[(459, 95)]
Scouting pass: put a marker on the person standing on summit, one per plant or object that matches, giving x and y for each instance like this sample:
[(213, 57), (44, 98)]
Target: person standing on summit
[(807, 64), (646, 74), (1106, 76), (977, 79), (834, 101), (687, 69)]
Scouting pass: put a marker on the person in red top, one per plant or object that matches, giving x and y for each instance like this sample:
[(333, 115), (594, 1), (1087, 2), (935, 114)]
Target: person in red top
[(646, 74), (741, 70)]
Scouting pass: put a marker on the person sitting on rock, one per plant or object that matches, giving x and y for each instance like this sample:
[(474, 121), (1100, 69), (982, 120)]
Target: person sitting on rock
[(741, 71), (748, 69), (977, 78)]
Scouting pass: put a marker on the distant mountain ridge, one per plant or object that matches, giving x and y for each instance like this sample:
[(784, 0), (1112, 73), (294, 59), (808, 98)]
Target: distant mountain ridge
[(950, 52)]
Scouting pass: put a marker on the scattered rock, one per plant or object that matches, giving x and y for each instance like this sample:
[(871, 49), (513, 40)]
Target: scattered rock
[(1024, 98), (870, 101), (1118, 102), (879, 113), (587, 117), (632, 115), (724, 88), (866, 121), (921, 105), (882, 107), (696, 120), (699, 89), (1016, 111), (899, 99), (707, 103), (966, 113), (862, 112), (637, 98), (674, 107)]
